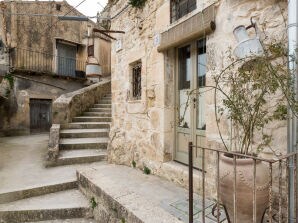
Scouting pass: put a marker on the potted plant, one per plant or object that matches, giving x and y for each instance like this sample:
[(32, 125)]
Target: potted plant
[(250, 94)]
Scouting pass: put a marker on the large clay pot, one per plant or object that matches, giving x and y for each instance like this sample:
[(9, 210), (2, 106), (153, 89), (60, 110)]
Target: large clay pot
[(244, 188)]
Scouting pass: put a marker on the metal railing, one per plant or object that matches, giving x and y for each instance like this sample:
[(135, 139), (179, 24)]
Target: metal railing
[(34, 61), (279, 188)]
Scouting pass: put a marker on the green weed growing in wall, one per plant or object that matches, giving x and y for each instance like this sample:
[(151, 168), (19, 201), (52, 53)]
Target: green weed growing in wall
[(137, 3)]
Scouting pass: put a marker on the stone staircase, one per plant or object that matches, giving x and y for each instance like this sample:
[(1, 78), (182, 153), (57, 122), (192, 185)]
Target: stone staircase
[(69, 204), (85, 139)]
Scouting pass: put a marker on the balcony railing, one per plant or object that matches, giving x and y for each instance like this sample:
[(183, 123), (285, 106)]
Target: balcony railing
[(281, 181), (34, 61)]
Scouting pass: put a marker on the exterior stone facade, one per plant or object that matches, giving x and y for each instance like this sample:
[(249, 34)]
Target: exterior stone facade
[(15, 111), (144, 130), (30, 47), (42, 33)]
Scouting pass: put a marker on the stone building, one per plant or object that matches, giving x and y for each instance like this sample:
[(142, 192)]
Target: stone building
[(169, 49), (47, 57)]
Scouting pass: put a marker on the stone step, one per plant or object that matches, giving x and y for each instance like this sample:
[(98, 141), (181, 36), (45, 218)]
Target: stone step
[(70, 157), (86, 125), (100, 110), (102, 106), (105, 101), (127, 193), (75, 220), (84, 133), (61, 205), (36, 191), (101, 114), (92, 119), (83, 143)]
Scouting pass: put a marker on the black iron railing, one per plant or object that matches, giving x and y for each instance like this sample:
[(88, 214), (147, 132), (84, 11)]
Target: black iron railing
[(282, 191), (29, 60)]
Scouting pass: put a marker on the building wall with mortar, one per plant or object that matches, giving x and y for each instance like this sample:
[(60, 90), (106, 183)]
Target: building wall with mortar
[(143, 130), (39, 33), (15, 111)]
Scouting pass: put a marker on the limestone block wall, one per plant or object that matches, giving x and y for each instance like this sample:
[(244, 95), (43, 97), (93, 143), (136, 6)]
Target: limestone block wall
[(143, 130), (138, 131), (75, 103)]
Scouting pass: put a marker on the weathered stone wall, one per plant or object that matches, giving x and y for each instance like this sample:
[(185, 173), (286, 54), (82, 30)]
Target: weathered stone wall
[(15, 111), (143, 130), (33, 34), (34, 38), (38, 32), (72, 104)]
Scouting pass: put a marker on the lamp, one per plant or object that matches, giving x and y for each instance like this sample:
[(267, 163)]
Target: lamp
[(104, 20), (247, 46)]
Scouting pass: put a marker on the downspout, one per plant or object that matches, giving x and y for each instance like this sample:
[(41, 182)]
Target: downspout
[(292, 120)]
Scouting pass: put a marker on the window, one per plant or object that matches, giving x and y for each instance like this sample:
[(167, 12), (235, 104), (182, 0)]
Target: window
[(201, 83), (91, 51), (137, 81), (184, 67), (58, 7), (180, 8)]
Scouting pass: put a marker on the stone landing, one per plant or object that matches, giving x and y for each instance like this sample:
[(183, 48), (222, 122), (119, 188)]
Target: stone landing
[(124, 194)]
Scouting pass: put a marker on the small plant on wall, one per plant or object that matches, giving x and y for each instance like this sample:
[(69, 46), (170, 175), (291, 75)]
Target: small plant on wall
[(137, 3)]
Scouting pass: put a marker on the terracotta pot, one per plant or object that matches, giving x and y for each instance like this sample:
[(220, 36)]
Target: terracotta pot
[(244, 188)]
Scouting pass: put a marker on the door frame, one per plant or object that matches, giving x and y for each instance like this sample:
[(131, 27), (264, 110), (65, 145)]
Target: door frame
[(47, 101), (193, 131)]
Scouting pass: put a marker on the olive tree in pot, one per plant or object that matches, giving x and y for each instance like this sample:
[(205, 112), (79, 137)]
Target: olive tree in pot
[(250, 94)]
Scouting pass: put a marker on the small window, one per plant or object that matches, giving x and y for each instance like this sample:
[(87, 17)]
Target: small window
[(180, 8), (91, 51), (137, 81), (58, 7)]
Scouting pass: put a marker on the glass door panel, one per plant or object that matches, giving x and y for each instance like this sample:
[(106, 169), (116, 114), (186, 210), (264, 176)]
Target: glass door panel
[(184, 111), (190, 100), (201, 84)]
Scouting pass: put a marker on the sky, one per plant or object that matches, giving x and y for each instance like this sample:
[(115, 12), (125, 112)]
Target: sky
[(89, 7)]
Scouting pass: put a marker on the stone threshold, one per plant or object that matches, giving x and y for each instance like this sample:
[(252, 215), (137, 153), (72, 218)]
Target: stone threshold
[(125, 194)]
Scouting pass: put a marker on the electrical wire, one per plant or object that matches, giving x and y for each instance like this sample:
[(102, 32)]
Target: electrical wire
[(40, 15), (54, 24)]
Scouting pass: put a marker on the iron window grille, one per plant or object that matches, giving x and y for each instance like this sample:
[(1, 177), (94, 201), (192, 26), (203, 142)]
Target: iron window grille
[(137, 81), (180, 8)]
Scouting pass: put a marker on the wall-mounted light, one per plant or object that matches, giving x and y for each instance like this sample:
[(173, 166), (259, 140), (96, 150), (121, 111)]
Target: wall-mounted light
[(104, 20), (247, 46)]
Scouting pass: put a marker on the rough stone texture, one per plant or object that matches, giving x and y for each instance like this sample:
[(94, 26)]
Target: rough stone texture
[(36, 191), (64, 204), (67, 106), (15, 112), (30, 151), (40, 33), (144, 130), (34, 43), (75, 220), (127, 195), (53, 147)]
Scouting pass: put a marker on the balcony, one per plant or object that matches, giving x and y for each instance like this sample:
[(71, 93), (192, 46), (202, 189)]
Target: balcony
[(40, 62)]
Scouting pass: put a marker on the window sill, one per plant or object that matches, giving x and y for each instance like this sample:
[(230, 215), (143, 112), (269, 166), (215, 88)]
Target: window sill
[(134, 101), (199, 9)]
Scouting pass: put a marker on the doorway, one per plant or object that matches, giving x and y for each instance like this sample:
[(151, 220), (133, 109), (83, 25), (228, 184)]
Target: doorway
[(66, 61), (190, 100), (40, 115)]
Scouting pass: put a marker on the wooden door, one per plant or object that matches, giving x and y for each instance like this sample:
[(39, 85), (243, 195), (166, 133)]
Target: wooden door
[(66, 60), (40, 115)]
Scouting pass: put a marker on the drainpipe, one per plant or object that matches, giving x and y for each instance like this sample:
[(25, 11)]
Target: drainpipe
[(292, 121)]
